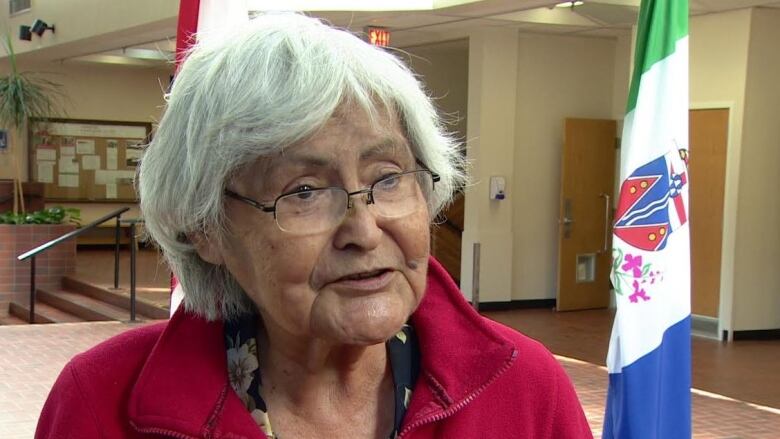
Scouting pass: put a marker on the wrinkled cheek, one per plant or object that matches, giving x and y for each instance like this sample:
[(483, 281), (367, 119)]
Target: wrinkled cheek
[(414, 238)]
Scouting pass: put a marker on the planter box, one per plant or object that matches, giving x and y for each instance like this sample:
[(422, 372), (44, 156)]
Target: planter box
[(50, 266)]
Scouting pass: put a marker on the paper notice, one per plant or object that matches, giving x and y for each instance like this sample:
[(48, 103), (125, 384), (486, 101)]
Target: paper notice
[(113, 177), (111, 155), (67, 150), (67, 165), (133, 153), (90, 162), (69, 180), (85, 146), (46, 154), (111, 190), (68, 141), (46, 171)]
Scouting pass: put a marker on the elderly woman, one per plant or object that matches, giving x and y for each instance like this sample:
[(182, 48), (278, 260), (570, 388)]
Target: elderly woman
[(291, 186)]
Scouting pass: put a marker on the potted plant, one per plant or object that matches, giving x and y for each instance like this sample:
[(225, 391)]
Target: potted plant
[(24, 95), (51, 215)]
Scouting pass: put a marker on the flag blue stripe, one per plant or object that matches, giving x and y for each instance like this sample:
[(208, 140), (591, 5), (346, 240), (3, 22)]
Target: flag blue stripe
[(653, 388)]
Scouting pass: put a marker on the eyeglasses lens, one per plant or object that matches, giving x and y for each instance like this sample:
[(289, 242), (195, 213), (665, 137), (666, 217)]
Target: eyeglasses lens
[(318, 210)]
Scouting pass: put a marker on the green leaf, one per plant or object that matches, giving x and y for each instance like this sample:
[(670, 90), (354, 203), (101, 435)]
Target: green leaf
[(617, 260), (26, 95), (52, 215)]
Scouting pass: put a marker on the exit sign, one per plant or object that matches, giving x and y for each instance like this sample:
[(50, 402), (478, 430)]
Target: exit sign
[(378, 36)]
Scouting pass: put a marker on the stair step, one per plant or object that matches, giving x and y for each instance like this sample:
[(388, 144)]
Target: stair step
[(85, 307), (44, 313), (12, 320), (114, 298)]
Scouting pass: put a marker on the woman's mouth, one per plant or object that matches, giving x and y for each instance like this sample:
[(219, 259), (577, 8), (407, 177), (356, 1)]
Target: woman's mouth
[(367, 280)]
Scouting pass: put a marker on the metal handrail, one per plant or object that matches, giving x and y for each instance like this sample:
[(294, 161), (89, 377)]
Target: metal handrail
[(77, 232), (31, 254), (133, 252)]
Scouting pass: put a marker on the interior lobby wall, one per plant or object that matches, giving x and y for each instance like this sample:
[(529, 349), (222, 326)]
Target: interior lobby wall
[(88, 26), (96, 91), (558, 77), (444, 68), (717, 78), (756, 277)]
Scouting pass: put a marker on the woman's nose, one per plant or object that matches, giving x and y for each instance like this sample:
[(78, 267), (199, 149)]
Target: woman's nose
[(360, 226)]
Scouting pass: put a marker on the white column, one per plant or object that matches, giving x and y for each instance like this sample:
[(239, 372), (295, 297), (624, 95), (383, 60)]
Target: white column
[(492, 103)]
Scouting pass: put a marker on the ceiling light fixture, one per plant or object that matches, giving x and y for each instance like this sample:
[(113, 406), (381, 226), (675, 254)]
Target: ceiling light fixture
[(343, 5)]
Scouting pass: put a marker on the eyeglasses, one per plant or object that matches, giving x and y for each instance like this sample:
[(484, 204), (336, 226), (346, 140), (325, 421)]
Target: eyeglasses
[(311, 211)]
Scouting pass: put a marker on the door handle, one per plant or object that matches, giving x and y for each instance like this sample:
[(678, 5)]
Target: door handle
[(567, 219), (606, 220)]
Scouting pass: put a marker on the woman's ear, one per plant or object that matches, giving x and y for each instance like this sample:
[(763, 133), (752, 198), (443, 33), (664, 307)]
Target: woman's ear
[(207, 249)]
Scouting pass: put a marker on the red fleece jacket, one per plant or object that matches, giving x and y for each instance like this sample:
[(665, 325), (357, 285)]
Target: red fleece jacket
[(479, 379)]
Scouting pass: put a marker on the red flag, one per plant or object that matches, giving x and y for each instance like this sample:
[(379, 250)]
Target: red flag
[(197, 17), (187, 27)]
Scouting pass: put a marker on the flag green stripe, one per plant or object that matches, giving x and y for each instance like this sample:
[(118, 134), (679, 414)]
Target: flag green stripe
[(661, 24)]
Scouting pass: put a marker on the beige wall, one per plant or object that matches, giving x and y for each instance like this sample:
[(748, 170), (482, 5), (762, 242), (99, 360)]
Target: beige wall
[(519, 235), (444, 68), (756, 276), (558, 77), (735, 64), (89, 26), (718, 71)]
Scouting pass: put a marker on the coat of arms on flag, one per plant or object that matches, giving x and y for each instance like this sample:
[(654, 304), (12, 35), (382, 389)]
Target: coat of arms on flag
[(651, 207), (651, 204)]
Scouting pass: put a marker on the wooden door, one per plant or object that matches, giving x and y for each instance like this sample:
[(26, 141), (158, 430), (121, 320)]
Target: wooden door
[(446, 237), (585, 222), (707, 168)]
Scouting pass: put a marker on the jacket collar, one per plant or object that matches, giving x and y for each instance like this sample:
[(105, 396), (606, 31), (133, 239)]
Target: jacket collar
[(462, 352), (183, 389)]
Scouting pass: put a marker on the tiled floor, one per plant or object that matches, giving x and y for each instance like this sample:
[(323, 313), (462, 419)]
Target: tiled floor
[(32, 356), (744, 370)]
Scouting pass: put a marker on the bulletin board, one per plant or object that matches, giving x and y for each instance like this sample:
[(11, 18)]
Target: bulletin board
[(86, 160)]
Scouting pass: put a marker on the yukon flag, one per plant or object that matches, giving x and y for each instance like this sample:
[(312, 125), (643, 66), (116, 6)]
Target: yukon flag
[(649, 356), (197, 20)]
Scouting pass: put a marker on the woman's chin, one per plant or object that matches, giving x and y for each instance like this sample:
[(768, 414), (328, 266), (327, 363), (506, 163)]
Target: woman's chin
[(360, 330)]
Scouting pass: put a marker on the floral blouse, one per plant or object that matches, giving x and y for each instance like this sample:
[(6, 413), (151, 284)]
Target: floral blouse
[(244, 369)]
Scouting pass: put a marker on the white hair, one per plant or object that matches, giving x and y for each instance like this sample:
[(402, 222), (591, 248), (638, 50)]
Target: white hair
[(265, 86)]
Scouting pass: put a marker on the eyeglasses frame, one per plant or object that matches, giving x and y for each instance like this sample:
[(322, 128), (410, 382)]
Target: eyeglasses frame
[(265, 207)]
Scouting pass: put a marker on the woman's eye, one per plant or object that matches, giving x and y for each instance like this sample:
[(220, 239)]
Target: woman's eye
[(302, 192), (388, 182)]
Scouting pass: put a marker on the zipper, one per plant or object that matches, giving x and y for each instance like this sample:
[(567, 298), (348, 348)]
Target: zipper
[(459, 406), (210, 424), (162, 431)]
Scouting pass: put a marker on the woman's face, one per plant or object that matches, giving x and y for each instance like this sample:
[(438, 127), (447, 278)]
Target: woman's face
[(356, 283)]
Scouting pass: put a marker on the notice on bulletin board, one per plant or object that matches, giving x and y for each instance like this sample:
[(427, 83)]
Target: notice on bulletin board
[(69, 180), (90, 162), (46, 171), (86, 160), (85, 146)]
